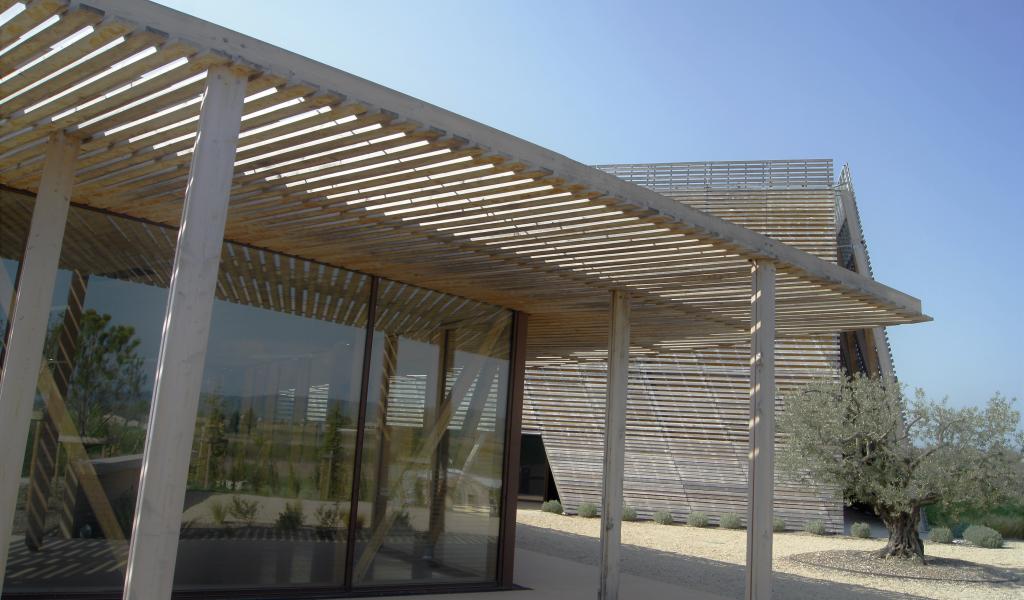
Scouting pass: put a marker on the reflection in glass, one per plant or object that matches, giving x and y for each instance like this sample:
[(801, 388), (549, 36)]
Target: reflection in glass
[(272, 469), (432, 454), (83, 457), (270, 481)]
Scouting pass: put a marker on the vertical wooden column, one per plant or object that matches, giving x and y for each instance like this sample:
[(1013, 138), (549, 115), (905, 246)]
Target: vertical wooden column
[(186, 330), (761, 474), (614, 445), (28, 320)]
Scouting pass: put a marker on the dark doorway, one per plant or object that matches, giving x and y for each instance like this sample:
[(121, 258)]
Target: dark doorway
[(535, 481)]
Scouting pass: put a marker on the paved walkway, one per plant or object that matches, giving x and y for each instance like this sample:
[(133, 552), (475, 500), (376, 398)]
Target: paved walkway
[(545, 577), (553, 565)]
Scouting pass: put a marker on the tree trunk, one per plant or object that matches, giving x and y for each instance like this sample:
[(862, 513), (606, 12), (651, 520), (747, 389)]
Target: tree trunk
[(904, 541)]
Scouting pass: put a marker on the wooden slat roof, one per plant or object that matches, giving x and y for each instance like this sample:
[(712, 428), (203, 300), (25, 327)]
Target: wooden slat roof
[(343, 171)]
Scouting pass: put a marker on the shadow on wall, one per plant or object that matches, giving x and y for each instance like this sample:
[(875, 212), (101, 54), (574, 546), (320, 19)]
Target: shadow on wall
[(713, 577)]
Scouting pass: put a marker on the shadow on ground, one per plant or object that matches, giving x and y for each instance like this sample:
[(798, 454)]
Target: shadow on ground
[(713, 577)]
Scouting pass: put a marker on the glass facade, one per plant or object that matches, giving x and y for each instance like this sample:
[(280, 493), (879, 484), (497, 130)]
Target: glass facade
[(305, 446)]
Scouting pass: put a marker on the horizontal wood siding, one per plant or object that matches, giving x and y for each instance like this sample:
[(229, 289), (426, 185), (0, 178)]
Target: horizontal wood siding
[(686, 438)]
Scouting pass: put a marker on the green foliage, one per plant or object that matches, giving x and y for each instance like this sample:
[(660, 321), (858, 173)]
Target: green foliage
[(1007, 519), (208, 468), (552, 506), (663, 517), (290, 519), (941, 535), (698, 519), (860, 530), (219, 512), (244, 510), (106, 381), (587, 510), (852, 434), (982, 536), (815, 526), (628, 513), (778, 524), (332, 457), (329, 518), (731, 521)]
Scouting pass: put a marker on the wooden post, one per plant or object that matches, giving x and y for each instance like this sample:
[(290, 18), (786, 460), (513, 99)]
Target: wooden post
[(186, 330), (614, 445), (761, 474), (28, 320)]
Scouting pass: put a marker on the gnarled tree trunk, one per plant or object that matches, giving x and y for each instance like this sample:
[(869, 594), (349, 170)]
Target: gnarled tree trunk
[(904, 541)]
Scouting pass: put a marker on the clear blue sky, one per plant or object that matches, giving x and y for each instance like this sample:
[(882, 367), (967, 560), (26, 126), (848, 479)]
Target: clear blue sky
[(925, 100)]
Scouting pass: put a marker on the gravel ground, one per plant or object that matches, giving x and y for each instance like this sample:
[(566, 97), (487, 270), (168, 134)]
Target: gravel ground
[(714, 555)]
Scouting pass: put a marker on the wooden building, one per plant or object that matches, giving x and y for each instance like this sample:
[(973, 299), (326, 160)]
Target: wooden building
[(266, 322), (687, 437)]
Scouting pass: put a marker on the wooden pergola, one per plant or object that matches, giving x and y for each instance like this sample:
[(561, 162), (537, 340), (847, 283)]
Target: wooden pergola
[(132, 108)]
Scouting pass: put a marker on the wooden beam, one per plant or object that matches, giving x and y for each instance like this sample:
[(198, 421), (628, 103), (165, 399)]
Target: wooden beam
[(614, 445), (875, 338), (208, 36), (761, 474), (28, 321), (186, 330)]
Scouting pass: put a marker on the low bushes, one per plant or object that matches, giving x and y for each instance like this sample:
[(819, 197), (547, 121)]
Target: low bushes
[(778, 524), (291, 518), (815, 526), (628, 513), (698, 519), (986, 537), (244, 510), (731, 521), (587, 510), (941, 535), (860, 530), (552, 506), (1007, 519), (663, 517)]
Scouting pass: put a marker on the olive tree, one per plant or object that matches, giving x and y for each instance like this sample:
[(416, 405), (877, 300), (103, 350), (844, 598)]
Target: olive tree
[(864, 437)]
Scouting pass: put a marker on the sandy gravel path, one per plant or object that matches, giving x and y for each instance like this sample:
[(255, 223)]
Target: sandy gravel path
[(714, 558)]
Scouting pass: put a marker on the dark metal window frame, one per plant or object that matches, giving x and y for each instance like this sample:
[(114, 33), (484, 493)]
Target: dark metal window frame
[(509, 482)]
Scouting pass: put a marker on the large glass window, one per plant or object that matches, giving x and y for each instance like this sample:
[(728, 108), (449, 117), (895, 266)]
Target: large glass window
[(270, 482), (273, 469), (434, 442), (84, 453)]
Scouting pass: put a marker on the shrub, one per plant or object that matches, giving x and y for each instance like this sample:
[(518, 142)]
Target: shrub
[(219, 512), (986, 537), (815, 526), (1009, 526), (663, 517), (698, 519), (628, 513), (731, 521), (290, 519), (778, 524), (860, 530), (328, 518), (941, 535), (244, 510), (552, 506), (587, 510)]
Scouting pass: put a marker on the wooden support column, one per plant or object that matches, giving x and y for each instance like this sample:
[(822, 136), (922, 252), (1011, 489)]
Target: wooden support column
[(186, 329), (761, 474), (614, 445), (28, 320)]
